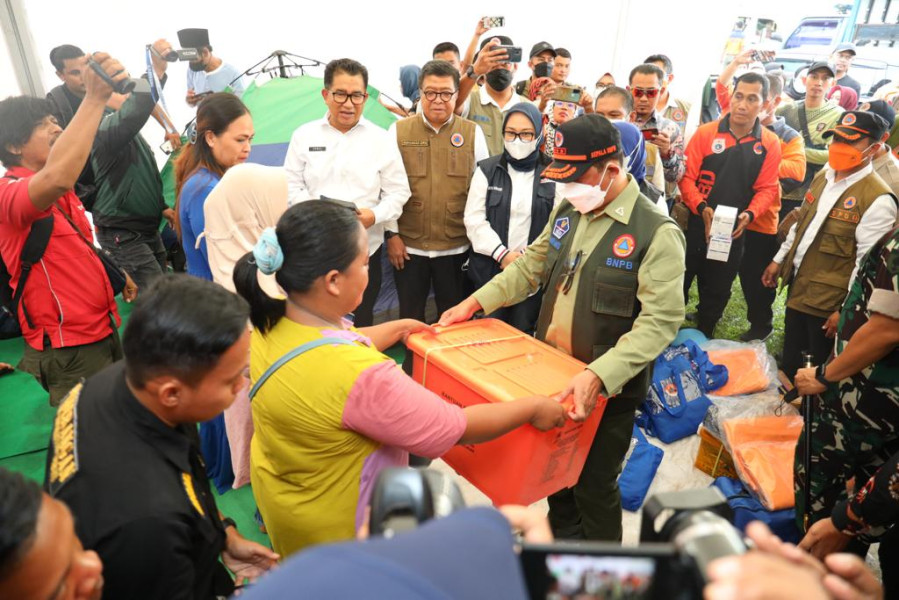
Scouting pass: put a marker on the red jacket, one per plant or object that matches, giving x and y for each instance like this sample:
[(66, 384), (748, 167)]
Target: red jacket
[(68, 295)]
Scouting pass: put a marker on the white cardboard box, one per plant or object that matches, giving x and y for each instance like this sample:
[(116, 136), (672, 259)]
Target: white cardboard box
[(722, 229)]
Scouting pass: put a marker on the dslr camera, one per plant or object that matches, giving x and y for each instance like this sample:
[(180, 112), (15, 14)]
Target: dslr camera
[(681, 533)]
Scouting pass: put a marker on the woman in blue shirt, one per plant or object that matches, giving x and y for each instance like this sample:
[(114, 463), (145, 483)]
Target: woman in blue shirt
[(224, 132)]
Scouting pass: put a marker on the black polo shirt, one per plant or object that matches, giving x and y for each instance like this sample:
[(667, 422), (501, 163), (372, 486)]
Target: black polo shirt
[(139, 494)]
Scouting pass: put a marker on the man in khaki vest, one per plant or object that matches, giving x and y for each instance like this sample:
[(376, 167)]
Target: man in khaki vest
[(427, 245), (846, 210)]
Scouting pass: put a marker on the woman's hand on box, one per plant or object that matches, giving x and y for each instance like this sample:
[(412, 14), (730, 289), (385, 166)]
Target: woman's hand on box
[(410, 326), (548, 413)]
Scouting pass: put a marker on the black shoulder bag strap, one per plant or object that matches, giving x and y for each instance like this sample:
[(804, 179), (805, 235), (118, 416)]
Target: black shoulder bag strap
[(115, 273), (32, 252), (803, 123)]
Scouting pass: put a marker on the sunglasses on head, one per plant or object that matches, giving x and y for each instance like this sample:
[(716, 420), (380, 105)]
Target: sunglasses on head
[(648, 92)]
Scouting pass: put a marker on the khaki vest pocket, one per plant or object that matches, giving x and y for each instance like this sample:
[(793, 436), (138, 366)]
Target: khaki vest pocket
[(415, 159), (614, 292), (824, 296), (837, 245), (411, 222)]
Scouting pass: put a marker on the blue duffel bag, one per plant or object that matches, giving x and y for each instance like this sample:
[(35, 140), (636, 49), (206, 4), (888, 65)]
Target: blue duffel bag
[(747, 509), (640, 466)]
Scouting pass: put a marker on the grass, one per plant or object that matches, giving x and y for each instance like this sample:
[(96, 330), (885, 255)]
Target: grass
[(733, 323)]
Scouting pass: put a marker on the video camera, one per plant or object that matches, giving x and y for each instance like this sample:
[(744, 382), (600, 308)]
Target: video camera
[(177, 54), (681, 533)]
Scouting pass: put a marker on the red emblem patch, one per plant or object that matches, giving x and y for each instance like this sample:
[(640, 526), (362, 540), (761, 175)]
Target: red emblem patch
[(809, 198), (457, 140), (758, 148), (558, 139), (850, 202), (849, 119), (624, 245)]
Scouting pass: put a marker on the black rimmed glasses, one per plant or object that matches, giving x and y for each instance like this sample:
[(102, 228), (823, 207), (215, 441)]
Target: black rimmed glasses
[(431, 95), (568, 271), (524, 136), (340, 97)]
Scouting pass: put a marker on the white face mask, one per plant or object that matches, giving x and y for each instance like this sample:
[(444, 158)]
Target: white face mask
[(585, 198), (520, 150)]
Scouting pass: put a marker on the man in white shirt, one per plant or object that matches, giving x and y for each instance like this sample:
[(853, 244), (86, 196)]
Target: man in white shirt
[(343, 156), (209, 73), (847, 208), (428, 244)]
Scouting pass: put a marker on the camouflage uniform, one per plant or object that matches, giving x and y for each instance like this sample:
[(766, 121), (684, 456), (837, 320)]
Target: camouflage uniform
[(855, 423)]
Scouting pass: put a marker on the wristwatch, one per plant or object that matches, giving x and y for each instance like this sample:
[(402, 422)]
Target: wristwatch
[(469, 72), (389, 234), (228, 522), (819, 375)]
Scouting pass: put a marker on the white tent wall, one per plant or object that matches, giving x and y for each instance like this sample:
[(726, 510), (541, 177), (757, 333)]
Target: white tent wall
[(601, 35)]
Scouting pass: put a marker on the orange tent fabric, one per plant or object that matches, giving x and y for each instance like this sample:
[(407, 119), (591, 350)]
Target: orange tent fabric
[(763, 449), (746, 372)]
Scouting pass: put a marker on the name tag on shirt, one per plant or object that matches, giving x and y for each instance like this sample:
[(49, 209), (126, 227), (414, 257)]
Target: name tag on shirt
[(415, 143), (317, 148)]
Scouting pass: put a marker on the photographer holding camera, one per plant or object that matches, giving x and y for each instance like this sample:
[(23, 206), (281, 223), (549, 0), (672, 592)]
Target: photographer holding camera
[(65, 310)]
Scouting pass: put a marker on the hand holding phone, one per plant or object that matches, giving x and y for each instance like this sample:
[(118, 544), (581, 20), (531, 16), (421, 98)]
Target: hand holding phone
[(513, 52), (650, 133)]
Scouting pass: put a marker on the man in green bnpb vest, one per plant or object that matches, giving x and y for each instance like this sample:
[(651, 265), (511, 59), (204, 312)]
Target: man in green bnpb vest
[(847, 208), (612, 268)]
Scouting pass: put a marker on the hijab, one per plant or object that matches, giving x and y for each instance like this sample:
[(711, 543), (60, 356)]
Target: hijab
[(529, 163), (409, 82)]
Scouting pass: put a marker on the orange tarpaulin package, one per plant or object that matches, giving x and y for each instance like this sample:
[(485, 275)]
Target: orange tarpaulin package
[(763, 449), (747, 370), (489, 361)]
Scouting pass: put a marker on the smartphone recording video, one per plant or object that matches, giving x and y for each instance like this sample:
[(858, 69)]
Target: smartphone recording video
[(493, 22), (596, 571)]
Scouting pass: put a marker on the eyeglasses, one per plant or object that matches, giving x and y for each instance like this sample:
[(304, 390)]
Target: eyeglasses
[(340, 97), (648, 92), (431, 95), (524, 136), (568, 271)]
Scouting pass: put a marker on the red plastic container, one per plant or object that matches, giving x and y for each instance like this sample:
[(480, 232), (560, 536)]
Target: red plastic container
[(489, 361)]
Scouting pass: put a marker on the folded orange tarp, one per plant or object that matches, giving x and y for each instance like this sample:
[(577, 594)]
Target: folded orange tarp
[(746, 372), (763, 449)]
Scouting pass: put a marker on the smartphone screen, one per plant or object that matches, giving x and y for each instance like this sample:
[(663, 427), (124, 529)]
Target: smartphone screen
[(648, 134), (589, 571), (493, 22)]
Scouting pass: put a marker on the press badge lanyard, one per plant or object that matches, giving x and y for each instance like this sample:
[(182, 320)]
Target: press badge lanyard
[(156, 86)]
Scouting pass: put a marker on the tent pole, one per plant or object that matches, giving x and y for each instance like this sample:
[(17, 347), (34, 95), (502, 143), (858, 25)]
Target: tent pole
[(21, 47)]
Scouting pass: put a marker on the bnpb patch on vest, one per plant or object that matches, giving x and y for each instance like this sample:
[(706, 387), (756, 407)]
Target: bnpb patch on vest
[(457, 140), (850, 202), (758, 148), (624, 245), (845, 215)]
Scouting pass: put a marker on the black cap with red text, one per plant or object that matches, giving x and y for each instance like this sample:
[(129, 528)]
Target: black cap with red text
[(579, 144)]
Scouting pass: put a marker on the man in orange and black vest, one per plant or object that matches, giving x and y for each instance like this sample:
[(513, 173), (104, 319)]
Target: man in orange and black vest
[(847, 209), (761, 235), (731, 162)]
